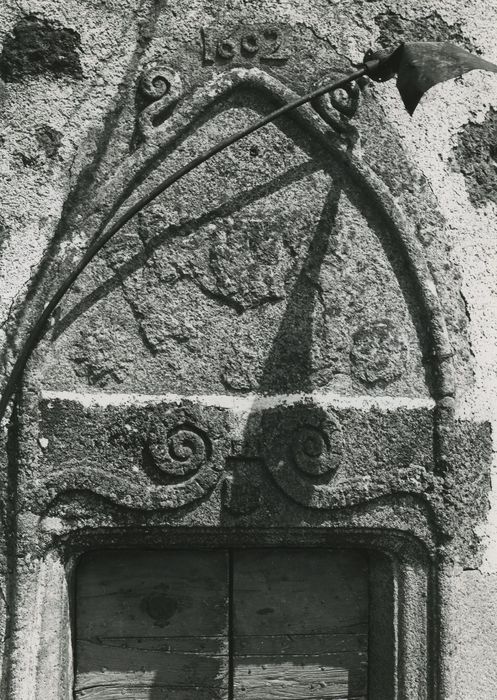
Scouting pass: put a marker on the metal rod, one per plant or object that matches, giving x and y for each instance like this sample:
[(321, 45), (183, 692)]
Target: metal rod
[(96, 246)]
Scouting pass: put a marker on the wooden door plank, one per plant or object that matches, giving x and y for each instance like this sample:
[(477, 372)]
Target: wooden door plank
[(151, 625), (352, 640), (146, 692), (300, 624)]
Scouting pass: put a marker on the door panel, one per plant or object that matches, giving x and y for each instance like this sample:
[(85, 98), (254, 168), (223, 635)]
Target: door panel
[(152, 625), (290, 624), (300, 624)]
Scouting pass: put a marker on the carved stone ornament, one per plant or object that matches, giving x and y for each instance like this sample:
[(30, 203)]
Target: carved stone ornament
[(339, 107), (132, 466), (378, 353), (180, 451), (303, 441), (180, 460), (160, 458), (162, 88)]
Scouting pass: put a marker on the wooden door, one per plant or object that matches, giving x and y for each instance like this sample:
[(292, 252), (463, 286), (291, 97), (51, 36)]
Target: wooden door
[(300, 624), (152, 625), (256, 624)]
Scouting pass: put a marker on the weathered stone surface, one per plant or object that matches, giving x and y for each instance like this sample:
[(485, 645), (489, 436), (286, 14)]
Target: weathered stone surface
[(38, 46), (472, 596), (4, 234), (395, 27), (265, 292), (271, 271), (49, 139), (160, 457), (378, 353), (476, 157)]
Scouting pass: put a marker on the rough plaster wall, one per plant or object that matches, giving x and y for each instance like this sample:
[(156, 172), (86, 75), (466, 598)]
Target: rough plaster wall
[(34, 185), (433, 138), (35, 180)]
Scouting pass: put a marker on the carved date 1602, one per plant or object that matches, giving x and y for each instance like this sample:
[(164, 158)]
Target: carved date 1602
[(268, 43)]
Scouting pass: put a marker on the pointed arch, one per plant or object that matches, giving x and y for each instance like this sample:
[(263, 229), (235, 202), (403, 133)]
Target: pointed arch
[(135, 171)]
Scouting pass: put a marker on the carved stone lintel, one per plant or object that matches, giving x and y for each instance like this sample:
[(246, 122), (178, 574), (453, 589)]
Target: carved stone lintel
[(162, 457)]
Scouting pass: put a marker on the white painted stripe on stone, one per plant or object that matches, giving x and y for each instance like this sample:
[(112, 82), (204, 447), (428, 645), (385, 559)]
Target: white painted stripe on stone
[(249, 402)]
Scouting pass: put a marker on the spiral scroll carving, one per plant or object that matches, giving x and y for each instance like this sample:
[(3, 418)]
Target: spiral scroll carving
[(181, 452), (303, 449), (164, 87), (339, 106), (311, 451)]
